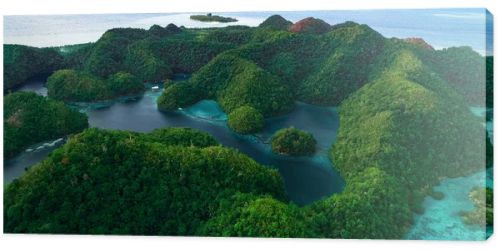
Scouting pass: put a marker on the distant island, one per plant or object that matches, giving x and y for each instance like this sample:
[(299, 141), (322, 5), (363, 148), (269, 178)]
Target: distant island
[(213, 18)]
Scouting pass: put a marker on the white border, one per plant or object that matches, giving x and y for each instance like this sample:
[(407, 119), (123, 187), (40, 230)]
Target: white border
[(58, 242), (17, 7)]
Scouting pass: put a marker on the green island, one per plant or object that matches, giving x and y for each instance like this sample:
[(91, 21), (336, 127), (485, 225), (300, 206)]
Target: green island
[(245, 120), (79, 86), (403, 108), (294, 142), (212, 18)]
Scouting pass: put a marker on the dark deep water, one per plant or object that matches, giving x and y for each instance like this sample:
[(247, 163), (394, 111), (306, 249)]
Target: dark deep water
[(307, 179)]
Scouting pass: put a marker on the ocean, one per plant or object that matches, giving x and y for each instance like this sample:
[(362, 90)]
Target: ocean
[(441, 28)]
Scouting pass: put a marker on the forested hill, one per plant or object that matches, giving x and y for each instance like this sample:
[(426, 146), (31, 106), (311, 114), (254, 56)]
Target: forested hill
[(315, 62), (30, 119), (168, 182), (405, 124)]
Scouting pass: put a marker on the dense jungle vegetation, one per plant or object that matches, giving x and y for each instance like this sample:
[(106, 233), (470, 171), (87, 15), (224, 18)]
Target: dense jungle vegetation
[(30, 118), (294, 142), (410, 124), (404, 113), (169, 182), (245, 120), (80, 86), (24, 62)]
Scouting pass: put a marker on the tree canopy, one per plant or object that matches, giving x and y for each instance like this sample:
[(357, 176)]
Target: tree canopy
[(292, 141), (245, 120), (411, 124), (80, 86), (124, 83), (120, 182), (405, 124), (233, 82), (30, 118), (373, 206), (276, 22), (247, 215), (24, 62)]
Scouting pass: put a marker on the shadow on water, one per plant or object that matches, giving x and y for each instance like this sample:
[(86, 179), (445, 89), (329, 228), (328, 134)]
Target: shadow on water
[(35, 84), (307, 179), (16, 166)]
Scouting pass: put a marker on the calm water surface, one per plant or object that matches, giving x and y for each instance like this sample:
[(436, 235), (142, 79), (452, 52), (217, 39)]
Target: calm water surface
[(439, 27), (306, 178)]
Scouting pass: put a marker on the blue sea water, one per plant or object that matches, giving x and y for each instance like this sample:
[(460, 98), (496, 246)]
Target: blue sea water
[(441, 220), (439, 27)]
